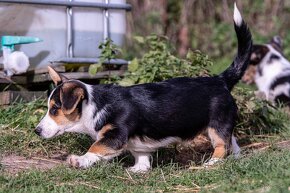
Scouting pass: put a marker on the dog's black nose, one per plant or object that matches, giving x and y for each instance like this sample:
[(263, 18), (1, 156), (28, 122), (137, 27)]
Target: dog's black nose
[(38, 130)]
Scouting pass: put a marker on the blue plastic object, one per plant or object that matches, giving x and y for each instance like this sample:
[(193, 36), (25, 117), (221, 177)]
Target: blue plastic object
[(10, 41)]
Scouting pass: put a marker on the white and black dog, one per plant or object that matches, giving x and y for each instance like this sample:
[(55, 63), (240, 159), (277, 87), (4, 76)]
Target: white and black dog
[(270, 70), (145, 117)]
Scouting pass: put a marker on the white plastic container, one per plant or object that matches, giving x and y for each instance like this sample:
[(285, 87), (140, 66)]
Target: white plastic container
[(49, 23)]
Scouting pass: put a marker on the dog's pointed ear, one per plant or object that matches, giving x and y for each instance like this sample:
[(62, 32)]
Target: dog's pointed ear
[(56, 77), (258, 53), (71, 94), (277, 43)]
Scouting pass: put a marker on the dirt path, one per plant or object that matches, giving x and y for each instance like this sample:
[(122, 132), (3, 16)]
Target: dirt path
[(13, 163)]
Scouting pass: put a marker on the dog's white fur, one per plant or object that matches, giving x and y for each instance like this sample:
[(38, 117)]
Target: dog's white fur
[(270, 72), (235, 147), (237, 16), (88, 159), (83, 161), (142, 162)]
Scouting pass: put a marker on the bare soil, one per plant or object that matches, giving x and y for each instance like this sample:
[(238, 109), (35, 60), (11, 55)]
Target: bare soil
[(14, 163)]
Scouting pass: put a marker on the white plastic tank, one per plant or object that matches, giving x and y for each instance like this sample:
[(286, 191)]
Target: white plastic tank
[(50, 22)]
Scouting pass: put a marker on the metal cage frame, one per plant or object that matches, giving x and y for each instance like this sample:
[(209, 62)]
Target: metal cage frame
[(69, 4)]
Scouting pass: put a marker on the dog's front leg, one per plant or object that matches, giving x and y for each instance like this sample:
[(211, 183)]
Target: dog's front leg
[(97, 152), (142, 162), (109, 145)]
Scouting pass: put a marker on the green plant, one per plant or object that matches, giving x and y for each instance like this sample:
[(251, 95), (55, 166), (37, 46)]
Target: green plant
[(109, 51), (158, 63)]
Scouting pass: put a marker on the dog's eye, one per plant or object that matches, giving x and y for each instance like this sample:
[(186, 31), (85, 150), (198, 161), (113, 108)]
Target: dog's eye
[(53, 110)]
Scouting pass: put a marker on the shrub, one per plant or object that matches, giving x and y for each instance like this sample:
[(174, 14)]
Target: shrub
[(258, 117), (158, 63)]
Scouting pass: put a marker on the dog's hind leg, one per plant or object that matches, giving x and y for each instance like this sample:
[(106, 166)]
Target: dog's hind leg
[(220, 145), (108, 146), (235, 147), (220, 128)]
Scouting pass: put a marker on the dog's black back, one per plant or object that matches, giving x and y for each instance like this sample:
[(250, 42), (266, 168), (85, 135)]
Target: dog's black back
[(180, 107)]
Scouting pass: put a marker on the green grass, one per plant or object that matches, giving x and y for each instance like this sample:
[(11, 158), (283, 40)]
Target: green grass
[(261, 171), (268, 171)]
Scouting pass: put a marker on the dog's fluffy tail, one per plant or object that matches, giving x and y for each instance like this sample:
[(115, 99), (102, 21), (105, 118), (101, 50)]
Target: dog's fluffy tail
[(234, 73)]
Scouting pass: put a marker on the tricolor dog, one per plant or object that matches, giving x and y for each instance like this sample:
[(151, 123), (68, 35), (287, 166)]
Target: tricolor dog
[(270, 70), (145, 117)]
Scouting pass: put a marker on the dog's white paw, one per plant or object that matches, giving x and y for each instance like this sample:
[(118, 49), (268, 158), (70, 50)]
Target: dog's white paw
[(140, 168), (76, 161), (212, 162), (83, 161)]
